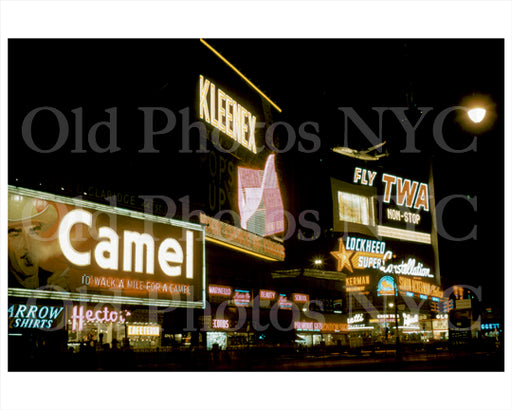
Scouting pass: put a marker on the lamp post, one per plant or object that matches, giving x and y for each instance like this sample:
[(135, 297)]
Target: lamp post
[(395, 305), (397, 335)]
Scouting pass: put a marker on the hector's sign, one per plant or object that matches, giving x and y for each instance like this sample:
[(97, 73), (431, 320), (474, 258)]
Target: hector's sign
[(79, 248), (81, 316)]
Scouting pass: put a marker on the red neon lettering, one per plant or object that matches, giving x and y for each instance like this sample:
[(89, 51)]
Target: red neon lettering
[(389, 180), (298, 297), (267, 294), (405, 192)]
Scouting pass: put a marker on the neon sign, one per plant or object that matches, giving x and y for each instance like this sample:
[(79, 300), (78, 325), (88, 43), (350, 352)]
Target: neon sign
[(143, 330), (226, 114), (267, 294), (80, 316), (356, 284), (242, 297), (412, 194), (117, 255), (300, 298), (220, 323), (284, 303), (169, 255), (361, 253), (386, 286), (320, 327), (357, 318), (241, 240), (360, 175), (414, 286), (365, 245), (219, 290), (33, 316), (411, 267), (259, 197), (490, 326)]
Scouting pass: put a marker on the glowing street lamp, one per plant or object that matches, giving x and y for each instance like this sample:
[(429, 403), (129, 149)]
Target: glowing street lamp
[(476, 114), (318, 262), (481, 113)]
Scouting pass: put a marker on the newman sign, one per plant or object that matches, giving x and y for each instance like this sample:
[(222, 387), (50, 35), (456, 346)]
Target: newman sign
[(71, 249)]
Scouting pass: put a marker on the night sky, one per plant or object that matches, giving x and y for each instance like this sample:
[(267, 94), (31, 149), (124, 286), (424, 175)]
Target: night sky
[(309, 80)]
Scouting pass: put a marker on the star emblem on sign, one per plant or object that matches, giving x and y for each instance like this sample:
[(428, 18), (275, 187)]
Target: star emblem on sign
[(343, 257)]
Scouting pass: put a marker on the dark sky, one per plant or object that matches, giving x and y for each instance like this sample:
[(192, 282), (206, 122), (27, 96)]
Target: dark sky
[(309, 80)]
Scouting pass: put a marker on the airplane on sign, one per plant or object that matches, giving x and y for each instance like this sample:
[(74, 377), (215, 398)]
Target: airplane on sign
[(364, 155)]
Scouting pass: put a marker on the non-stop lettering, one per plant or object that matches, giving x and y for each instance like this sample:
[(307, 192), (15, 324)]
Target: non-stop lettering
[(106, 253)]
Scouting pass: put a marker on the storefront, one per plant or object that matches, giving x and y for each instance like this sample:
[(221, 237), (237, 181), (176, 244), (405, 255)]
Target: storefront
[(329, 332)]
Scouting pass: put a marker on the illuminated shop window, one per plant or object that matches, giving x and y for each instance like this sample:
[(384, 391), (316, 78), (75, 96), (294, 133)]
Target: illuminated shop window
[(355, 208), (218, 338)]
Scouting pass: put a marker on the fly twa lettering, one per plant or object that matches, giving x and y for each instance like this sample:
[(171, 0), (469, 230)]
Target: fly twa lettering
[(169, 256), (409, 193)]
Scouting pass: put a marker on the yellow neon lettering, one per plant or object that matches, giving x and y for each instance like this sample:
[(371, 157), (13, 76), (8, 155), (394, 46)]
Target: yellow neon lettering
[(243, 136), (204, 85), (220, 110), (225, 114), (237, 123), (212, 105), (229, 116), (252, 130)]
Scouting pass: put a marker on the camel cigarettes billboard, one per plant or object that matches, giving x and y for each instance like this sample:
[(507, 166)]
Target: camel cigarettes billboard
[(63, 248)]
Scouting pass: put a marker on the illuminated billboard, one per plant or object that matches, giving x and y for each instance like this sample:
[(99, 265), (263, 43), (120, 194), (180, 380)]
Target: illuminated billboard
[(63, 248), (386, 286), (31, 316), (386, 203), (259, 199), (226, 114), (232, 237), (357, 253)]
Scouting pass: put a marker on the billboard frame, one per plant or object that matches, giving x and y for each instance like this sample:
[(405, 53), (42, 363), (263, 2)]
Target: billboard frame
[(95, 298)]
